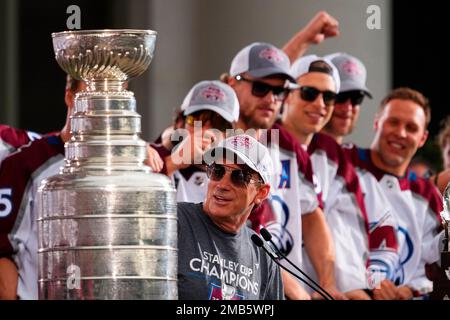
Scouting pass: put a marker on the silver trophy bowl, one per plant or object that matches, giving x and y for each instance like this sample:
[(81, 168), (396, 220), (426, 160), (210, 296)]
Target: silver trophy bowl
[(107, 225), (104, 55)]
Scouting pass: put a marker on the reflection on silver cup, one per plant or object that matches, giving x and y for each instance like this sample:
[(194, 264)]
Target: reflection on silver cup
[(107, 224)]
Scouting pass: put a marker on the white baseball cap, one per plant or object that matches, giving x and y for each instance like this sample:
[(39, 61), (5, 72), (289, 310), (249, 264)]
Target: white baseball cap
[(212, 95), (261, 60), (303, 66), (247, 150)]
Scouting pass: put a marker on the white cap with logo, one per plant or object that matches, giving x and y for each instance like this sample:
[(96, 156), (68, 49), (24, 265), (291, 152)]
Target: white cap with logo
[(261, 60), (212, 95), (303, 66), (247, 150)]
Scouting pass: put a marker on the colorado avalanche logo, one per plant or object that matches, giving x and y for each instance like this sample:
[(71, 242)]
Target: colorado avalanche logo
[(225, 292), (271, 55), (213, 94), (241, 141), (277, 219), (351, 68), (406, 252)]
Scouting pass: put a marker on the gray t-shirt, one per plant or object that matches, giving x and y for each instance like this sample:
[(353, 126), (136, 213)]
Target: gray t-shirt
[(216, 265)]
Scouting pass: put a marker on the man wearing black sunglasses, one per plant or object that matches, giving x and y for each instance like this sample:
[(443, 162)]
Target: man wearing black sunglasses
[(259, 74), (216, 257), (352, 73), (307, 110)]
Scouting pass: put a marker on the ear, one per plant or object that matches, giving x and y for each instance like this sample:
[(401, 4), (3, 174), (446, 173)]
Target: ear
[(262, 193), (231, 81), (376, 122), (423, 139)]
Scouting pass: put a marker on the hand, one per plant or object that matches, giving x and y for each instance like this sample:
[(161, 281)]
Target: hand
[(190, 150), (386, 291), (333, 291), (153, 159), (9, 278), (320, 27), (357, 295), (405, 293)]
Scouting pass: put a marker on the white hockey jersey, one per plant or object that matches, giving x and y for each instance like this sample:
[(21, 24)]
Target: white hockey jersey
[(359, 216), (293, 193), (417, 205)]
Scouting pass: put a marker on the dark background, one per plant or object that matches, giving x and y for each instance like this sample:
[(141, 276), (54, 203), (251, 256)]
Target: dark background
[(38, 19), (420, 60)]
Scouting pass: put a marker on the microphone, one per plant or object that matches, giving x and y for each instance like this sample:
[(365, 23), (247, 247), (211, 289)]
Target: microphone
[(268, 237), (260, 243)]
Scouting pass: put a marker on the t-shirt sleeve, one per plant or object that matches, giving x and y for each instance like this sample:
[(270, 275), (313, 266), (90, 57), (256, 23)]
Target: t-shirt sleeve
[(275, 289)]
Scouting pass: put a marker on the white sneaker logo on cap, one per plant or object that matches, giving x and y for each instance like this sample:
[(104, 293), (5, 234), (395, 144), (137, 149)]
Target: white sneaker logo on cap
[(213, 94), (351, 68), (271, 55)]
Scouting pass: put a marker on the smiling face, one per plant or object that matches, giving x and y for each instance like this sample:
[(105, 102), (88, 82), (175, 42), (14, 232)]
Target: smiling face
[(400, 129), (303, 117), (229, 205), (256, 112), (343, 119)]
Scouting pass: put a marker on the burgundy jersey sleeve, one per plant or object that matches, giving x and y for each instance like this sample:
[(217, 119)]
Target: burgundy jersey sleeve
[(14, 137), (16, 173)]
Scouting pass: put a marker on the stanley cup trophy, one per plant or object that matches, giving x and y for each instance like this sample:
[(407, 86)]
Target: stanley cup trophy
[(107, 225)]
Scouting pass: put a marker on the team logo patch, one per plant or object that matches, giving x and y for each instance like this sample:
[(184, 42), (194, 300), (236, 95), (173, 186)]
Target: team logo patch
[(271, 55), (225, 292), (351, 68), (213, 94), (241, 141)]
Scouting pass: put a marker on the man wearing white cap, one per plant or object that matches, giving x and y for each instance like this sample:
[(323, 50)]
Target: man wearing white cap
[(209, 109), (352, 74), (260, 76), (307, 110), (217, 259)]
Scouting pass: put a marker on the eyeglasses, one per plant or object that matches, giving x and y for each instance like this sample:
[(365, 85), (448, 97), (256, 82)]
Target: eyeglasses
[(355, 96), (216, 121), (261, 89), (240, 178), (310, 94)]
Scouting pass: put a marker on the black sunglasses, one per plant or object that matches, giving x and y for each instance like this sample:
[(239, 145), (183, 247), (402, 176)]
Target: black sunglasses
[(261, 89), (310, 94), (355, 96), (240, 178)]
